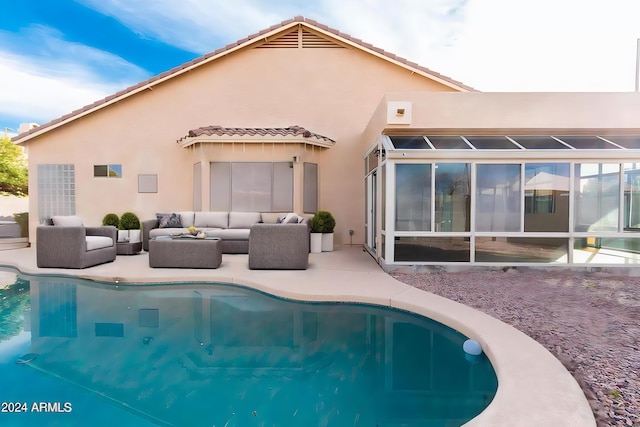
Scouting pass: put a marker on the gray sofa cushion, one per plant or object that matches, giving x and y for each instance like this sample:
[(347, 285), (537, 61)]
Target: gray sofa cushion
[(229, 233), (243, 219), (186, 218), (67, 221), (98, 242), (211, 220), (270, 217)]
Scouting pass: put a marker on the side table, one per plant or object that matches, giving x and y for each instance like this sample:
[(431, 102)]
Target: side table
[(127, 248)]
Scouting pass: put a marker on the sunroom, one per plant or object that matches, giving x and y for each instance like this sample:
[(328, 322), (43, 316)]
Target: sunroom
[(496, 199)]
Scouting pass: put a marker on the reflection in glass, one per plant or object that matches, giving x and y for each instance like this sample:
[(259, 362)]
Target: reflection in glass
[(452, 199), (519, 249), (409, 142), (600, 250), (546, 197), (260, 361), (597, 196), (413, 197), (632, 197), (498, 197), (432, 249)]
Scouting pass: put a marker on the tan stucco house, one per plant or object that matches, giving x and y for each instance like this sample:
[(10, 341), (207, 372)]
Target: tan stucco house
[(418, 167)]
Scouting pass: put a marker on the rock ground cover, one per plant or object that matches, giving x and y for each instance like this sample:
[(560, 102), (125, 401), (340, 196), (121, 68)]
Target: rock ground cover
[(590, 322)]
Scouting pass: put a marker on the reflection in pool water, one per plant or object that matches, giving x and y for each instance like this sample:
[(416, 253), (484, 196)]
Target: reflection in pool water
[(222, 355)]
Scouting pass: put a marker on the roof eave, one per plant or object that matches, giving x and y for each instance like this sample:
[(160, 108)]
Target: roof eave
[(226, 139)]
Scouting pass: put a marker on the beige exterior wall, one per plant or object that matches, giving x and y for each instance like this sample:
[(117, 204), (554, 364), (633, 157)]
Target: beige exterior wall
[(520, 112), (329, 91)]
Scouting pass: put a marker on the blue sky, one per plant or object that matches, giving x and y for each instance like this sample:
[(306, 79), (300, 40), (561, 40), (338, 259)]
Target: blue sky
[(59, 55)]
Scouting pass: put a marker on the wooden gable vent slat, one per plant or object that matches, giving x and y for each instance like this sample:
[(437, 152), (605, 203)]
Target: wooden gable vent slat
[(312, 40), (289, 40), (299, 38)]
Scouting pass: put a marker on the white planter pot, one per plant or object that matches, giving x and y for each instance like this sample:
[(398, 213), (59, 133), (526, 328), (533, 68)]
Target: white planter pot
[(135, 236), (327, 242), (316, 243), (123, 236), (131, 236)]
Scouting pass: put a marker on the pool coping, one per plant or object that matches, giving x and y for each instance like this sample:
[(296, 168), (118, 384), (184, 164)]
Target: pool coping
[(534, 388)]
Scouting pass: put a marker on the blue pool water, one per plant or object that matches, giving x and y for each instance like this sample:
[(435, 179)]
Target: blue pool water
[(220, 355)]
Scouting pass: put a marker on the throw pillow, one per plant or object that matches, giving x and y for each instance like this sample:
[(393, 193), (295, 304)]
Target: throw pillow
[(168, 220), (291, 218), (280, 219)]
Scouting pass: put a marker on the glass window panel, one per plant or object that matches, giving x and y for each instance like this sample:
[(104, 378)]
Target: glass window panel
[(498, 197), (452, 199), (115, 171), (596, 250), (413, 197), (251, 187), (521, 249), (220, 186), (539, 143), (282, 187), (432, 249), (383, 197), (597, 195), (546, 197), (627, 141), (491, 143), (310, 183), (372, 161), (100, 170), (632, 196), (587, 143), (448, 143), (409, 143)]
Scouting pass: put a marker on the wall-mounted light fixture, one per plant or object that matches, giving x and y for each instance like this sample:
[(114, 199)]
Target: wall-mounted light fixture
[(296, 159)]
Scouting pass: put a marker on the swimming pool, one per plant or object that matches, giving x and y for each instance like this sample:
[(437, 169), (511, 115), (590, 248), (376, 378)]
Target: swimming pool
[(222, 355)]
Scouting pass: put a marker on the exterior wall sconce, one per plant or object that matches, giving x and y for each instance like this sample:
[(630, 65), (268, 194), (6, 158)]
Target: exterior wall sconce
[(296, 159)]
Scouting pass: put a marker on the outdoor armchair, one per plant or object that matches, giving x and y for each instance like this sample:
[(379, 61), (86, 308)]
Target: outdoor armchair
[(75, 246), (279, 246)]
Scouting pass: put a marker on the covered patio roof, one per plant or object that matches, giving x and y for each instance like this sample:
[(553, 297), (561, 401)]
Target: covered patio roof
[(290, 135)]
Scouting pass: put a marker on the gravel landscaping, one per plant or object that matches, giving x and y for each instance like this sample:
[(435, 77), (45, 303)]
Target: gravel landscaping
[(590, 322)]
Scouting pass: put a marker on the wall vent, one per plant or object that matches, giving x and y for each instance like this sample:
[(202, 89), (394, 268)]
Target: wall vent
[(299, 39)]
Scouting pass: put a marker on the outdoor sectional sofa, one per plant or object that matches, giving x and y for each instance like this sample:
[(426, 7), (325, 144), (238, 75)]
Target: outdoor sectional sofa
[(233, 228)]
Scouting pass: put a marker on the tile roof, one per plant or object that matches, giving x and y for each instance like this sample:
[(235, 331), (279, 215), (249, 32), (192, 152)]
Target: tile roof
[(229, 48), (270, 133)]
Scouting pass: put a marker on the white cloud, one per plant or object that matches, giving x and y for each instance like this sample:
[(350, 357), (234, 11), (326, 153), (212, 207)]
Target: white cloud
[(57, 77), (549, 45), (194, 25)]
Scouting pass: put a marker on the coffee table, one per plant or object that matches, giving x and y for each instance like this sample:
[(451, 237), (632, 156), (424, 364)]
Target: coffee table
[(185, 253)]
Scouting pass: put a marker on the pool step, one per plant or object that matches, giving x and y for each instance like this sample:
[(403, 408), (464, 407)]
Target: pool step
[(7, 243)]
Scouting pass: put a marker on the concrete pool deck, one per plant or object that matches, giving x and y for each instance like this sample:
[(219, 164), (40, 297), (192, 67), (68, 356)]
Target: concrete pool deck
[(533, 386)]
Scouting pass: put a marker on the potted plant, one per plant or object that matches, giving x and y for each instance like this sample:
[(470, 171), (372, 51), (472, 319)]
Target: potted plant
[(130, 223), (111, 219), (317, 225), (328, 225)]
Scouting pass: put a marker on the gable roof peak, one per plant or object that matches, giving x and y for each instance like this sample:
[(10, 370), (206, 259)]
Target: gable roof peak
[(232, 47)]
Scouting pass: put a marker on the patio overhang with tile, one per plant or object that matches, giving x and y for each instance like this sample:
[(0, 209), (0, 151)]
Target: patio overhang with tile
[(289, 135)]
